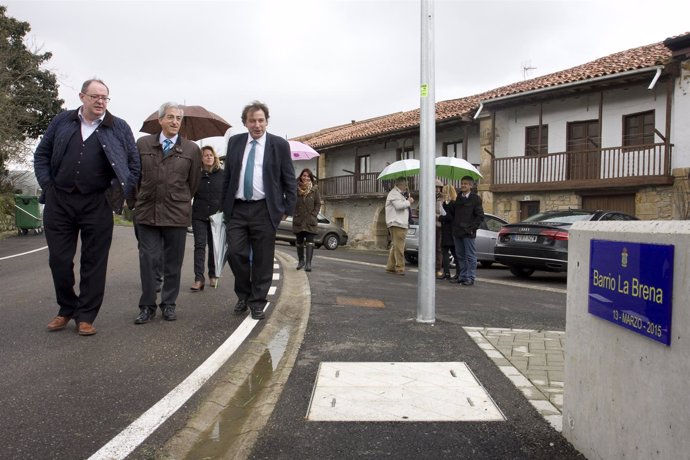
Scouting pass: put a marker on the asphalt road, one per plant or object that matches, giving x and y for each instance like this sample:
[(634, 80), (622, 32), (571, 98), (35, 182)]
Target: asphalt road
[(64, 396), (360, 313)]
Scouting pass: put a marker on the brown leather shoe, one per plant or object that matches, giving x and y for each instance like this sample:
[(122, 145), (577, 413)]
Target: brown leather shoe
[(197, 286), (213, 282), (59, 323), (86, 329)]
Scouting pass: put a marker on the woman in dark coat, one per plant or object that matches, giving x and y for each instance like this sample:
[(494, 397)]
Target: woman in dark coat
[(447, 242), (206, 203), (305, 217)]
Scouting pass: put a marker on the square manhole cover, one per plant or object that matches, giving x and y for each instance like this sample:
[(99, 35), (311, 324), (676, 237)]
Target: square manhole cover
[(405, 392)]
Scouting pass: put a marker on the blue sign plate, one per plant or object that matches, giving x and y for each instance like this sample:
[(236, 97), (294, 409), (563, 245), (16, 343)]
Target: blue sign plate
[(631, 284)]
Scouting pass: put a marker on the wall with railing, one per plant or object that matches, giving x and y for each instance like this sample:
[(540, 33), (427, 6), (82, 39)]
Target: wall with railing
[(367, 185), (598, 164)]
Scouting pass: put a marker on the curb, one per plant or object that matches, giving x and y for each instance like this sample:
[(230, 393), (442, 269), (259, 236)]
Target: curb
[(287, 323)]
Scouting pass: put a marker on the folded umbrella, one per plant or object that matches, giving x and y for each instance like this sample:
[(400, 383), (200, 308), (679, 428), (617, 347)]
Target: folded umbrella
[(219, 242)]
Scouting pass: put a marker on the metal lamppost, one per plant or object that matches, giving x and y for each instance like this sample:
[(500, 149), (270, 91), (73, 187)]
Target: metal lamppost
[(426, 293)]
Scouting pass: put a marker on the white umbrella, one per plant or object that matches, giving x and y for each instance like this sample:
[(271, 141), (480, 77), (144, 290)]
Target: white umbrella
[(219, 242), (400, 168), (455, 168)]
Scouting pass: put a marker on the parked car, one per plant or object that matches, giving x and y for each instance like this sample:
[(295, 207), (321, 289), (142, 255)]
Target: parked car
[(485, 242), (540, 242), (329, 235)]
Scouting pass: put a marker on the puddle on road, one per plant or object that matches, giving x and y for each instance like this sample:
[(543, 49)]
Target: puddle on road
[(228, 426)]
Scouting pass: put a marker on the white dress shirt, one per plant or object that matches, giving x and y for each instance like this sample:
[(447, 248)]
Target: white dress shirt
[(258, 193), (88, 127)]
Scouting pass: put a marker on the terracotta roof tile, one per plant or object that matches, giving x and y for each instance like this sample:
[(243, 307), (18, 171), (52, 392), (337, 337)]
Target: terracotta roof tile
[(632, 59)]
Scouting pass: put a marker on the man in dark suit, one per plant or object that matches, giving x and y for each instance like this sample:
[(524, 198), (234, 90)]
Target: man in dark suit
[(259, 190)]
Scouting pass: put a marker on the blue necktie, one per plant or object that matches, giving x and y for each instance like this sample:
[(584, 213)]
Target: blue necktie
[(167, 145), (249, 173)]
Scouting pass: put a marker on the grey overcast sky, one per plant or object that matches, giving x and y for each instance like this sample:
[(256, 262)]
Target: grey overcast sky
[(319, 64)]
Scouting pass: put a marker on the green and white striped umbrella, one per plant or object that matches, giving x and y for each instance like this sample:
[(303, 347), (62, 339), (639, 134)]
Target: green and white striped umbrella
[(455, 168), (400, 168)]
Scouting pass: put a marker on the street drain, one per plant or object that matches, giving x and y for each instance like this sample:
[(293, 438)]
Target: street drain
[(359, 302)]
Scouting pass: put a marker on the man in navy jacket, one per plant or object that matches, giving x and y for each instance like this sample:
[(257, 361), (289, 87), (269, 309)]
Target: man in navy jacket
[(86, 163)]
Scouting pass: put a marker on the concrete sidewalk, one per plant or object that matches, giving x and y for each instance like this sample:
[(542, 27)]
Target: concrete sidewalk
[(367, 380)]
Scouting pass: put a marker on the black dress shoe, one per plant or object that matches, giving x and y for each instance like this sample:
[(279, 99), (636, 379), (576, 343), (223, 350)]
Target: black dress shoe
[(240, 307), (169, 313), (468, 283), (257, 313), (146, 315), (456, 280)]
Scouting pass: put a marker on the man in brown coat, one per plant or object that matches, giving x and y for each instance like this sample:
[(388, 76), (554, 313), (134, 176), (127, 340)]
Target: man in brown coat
[(163, 209)]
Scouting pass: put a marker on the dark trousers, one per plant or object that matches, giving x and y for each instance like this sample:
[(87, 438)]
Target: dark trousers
[(447, 252), (153, 241), (67, 217), (202, 237), (250, 226), (439, 250), (159, 266)]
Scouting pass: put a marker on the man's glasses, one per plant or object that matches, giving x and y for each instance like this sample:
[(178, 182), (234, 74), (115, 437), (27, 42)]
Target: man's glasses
[(98, 98)]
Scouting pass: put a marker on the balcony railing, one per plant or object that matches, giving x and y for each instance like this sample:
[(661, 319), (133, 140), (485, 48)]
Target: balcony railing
[(353, 184), (629, 164), (607, 167), (365, 184)]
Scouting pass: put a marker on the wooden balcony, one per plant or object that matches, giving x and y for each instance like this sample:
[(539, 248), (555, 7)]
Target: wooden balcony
[(627, 166), (365, 186), (630, 166)]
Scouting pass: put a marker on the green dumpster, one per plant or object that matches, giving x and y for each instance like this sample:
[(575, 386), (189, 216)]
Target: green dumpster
[(28, 214)]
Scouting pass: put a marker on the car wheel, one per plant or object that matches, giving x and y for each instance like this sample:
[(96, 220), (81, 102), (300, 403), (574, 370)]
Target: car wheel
[(331, 241), (521, 272), (486, 263), (411, 259)]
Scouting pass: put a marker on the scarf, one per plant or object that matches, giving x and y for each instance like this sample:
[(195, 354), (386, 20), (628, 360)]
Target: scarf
[(303, 188)]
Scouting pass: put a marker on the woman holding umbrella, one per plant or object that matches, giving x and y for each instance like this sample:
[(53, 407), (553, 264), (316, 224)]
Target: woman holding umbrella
[(305, 217), (206, 202)]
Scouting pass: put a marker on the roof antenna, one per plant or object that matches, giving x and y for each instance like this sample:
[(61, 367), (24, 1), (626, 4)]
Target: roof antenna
[(526, 67)]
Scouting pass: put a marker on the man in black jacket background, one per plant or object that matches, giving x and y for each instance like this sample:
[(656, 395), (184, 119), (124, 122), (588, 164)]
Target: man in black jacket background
[(468, 215)]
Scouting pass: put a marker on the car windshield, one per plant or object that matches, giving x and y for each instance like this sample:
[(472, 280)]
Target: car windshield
[(565, 217)]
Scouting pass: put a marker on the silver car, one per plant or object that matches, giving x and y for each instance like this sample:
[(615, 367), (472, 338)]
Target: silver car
[(485, 242), (329, 235)]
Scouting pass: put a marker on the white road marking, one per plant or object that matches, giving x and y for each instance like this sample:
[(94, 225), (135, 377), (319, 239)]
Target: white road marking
[(131, 437), (128, 439), (23, 253)]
